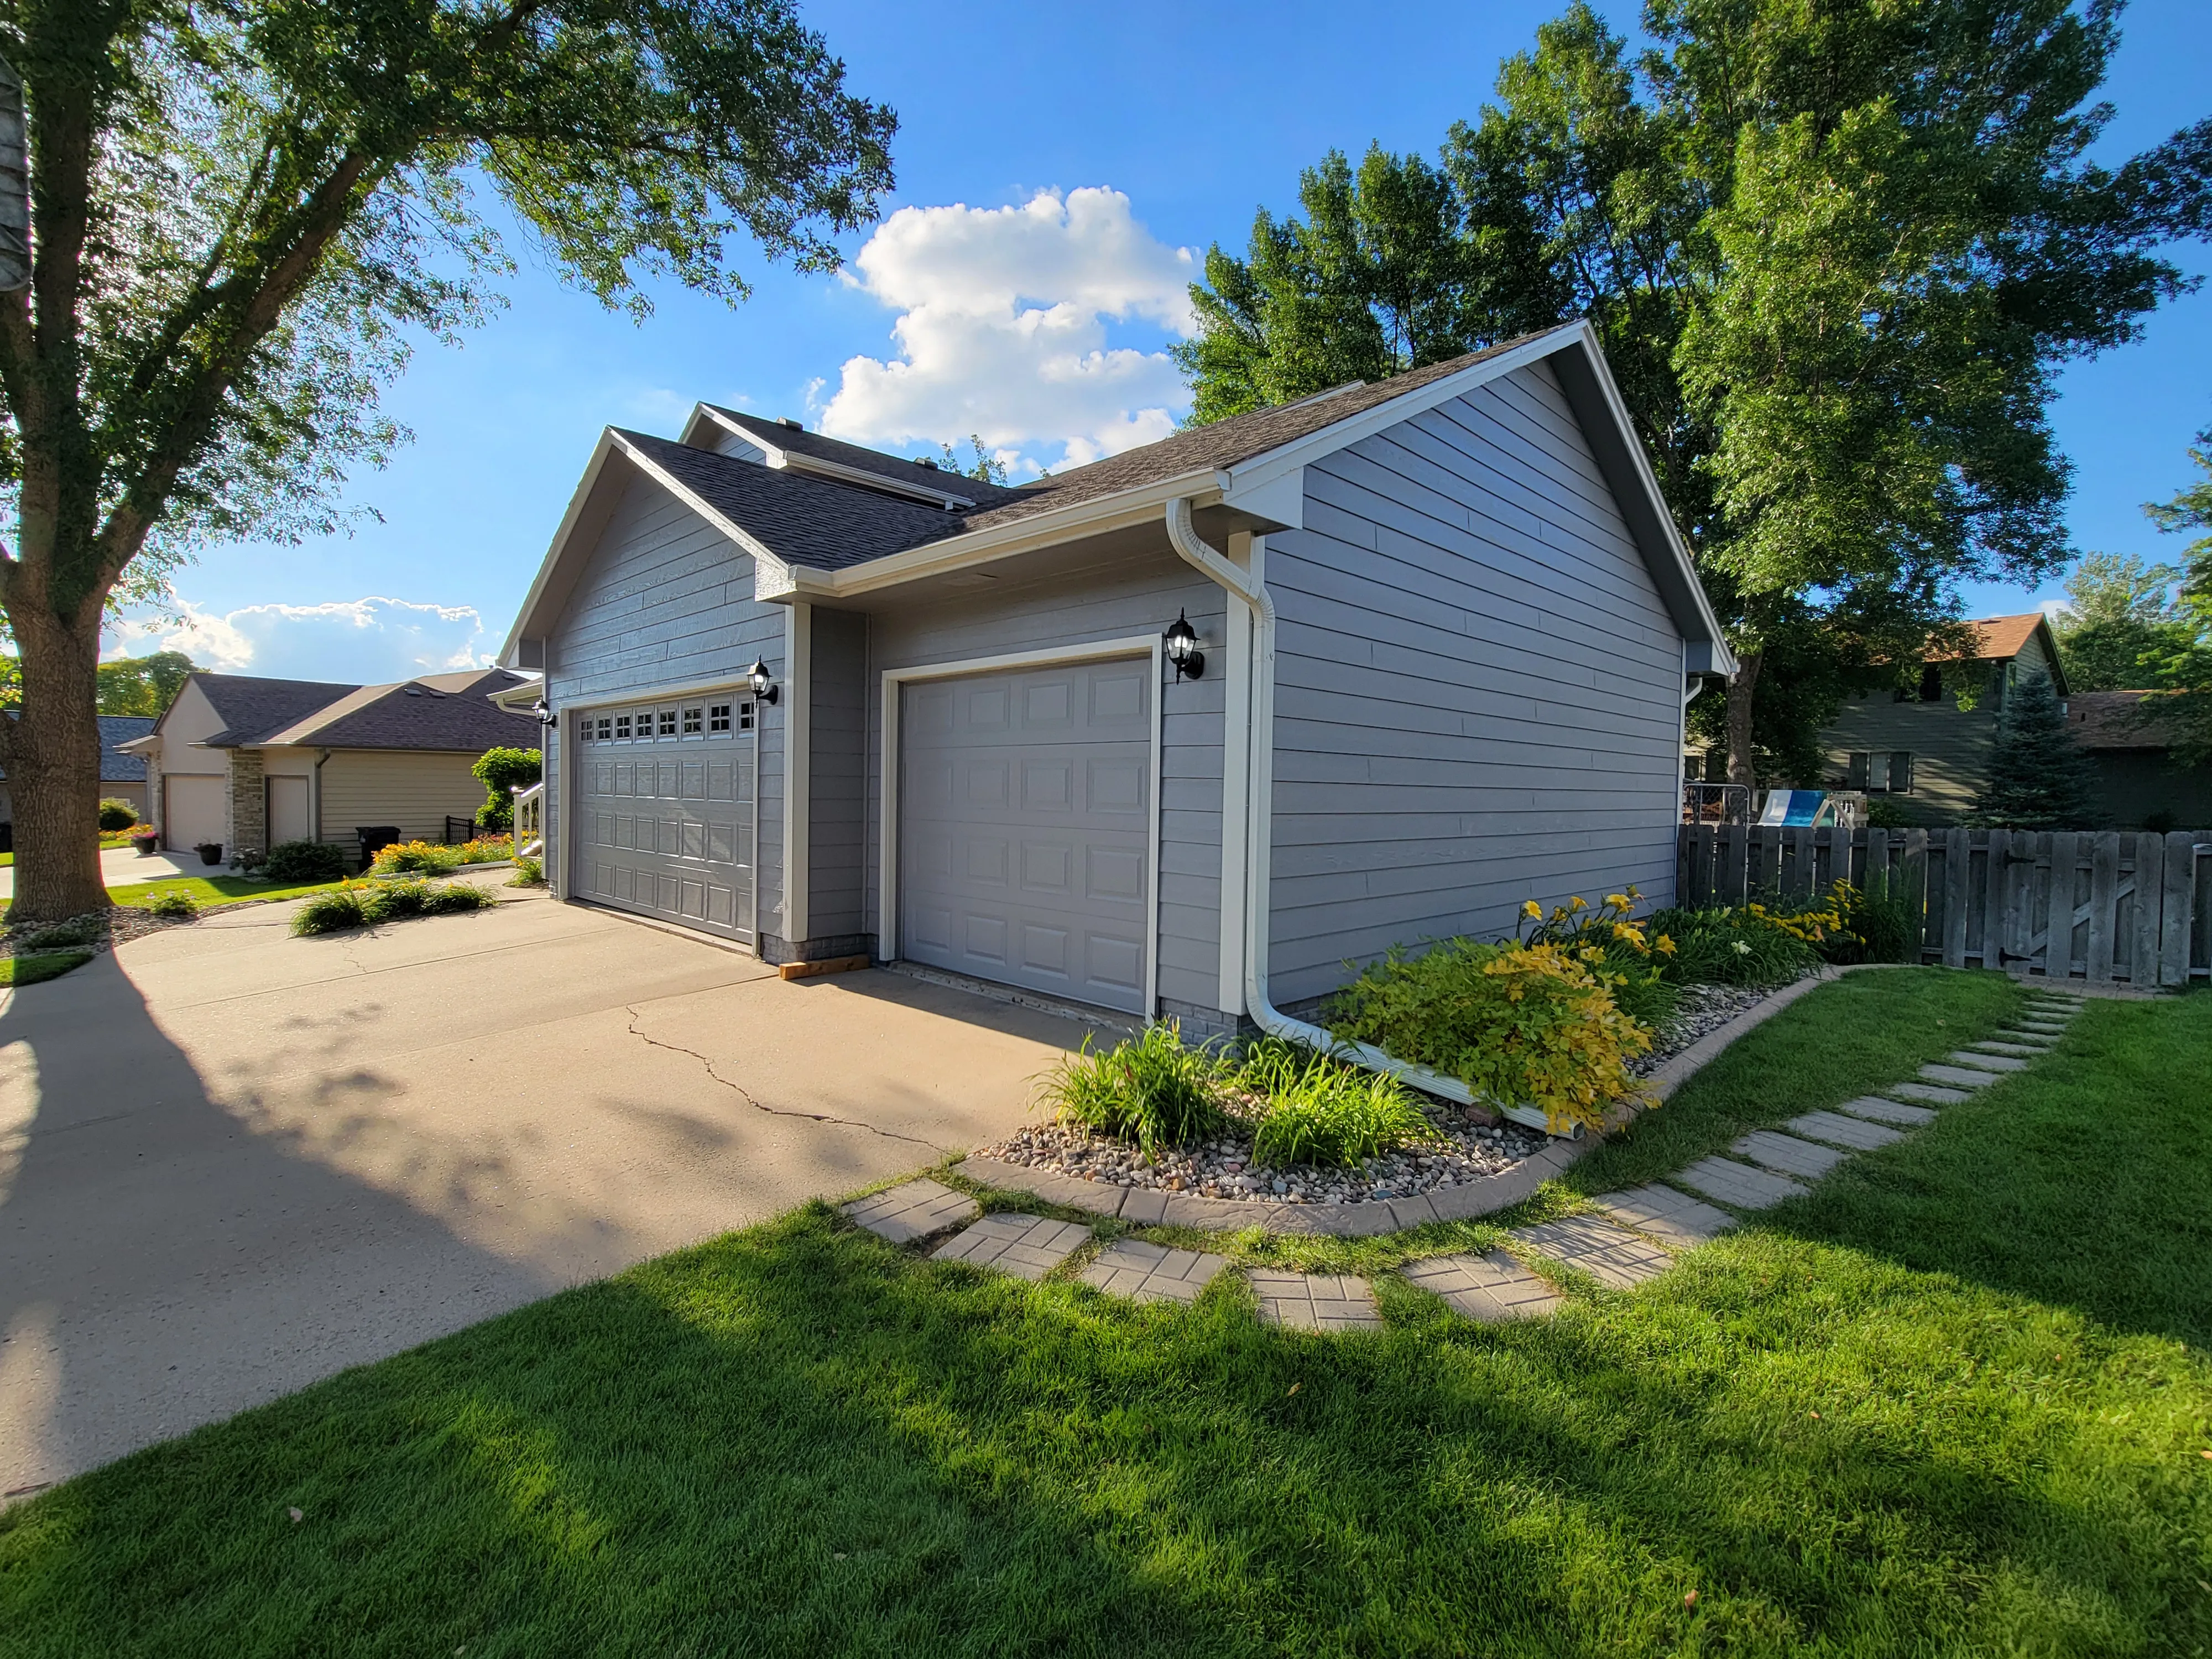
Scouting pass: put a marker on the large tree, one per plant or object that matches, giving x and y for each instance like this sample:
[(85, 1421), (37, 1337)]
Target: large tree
[(2186, 668), (1836, 255), (244, 212), (2120, 624)]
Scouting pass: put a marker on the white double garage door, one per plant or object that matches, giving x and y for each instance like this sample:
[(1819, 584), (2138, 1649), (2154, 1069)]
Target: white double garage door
[(1026, 827), (664, 808)]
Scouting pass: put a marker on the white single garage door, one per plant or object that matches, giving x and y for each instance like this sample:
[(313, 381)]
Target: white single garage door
[(663, 813), (192, 810), (1026, 827)]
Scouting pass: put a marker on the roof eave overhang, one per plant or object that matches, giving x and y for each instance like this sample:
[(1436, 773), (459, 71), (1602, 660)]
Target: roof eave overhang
[(790, 582)]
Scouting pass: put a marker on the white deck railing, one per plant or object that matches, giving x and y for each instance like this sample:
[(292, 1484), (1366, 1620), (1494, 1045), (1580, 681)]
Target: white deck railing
[(530, 822)]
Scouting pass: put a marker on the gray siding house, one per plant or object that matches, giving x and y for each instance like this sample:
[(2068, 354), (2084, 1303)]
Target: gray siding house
[(1449, 632)]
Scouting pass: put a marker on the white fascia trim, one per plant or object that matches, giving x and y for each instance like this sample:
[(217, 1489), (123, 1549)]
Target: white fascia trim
[(559, 545), (1116, 511), (657, 693), (1650, 482), (887, 844), (762, 556), (797, 767), (1264, 469)]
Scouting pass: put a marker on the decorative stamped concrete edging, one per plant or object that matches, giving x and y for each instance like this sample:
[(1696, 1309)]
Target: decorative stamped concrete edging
[(1148, 1208)]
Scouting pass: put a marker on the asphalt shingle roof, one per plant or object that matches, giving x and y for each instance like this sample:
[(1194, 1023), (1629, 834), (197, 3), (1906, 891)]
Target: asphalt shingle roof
[(252, 707), (442, 711), (827, 526), (800, 441), (114, 729)]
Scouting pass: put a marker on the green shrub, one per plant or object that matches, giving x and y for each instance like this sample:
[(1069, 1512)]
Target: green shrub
[(1151, 1088), (1322, 1111), (66, 935), (1731, 945), (1883, 921), (528, 872), (365, 904), (502, 771), (1517, 1023), (305, 861), (116, 816), (1620, 952), (174, 902)]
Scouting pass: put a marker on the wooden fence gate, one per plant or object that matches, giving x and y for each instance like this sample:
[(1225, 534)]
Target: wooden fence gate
[(2111, 908)]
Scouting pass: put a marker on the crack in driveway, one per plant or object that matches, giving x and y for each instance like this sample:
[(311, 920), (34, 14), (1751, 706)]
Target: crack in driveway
[(745, 1095)]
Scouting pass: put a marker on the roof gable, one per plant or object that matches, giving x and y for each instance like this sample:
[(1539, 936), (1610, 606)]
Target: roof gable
[(814, 535)]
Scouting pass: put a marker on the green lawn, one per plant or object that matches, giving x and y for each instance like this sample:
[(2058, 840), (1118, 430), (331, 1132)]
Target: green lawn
[(1956, 1401), (44, 964), (214, 889)]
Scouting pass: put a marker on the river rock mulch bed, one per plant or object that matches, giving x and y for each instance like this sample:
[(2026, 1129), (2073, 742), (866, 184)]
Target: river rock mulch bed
[(1470, 1144), (1702, 1009), (96, 931)]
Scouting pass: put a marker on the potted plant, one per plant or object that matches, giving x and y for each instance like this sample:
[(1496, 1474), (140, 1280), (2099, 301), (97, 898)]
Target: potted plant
[(210, 852), (146, 840)]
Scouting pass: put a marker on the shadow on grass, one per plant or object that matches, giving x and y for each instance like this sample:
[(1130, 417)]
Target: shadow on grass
[(796, 1440)]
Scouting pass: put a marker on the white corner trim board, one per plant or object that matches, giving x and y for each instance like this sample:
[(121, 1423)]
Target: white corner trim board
[(887, 783), (798, 765), (1250, 592)]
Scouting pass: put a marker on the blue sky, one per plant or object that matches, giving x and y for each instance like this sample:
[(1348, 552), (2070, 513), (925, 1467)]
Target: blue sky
[(1155, 128)]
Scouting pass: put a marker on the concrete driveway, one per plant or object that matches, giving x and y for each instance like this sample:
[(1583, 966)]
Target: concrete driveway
[(121, 865), (232, 1162)]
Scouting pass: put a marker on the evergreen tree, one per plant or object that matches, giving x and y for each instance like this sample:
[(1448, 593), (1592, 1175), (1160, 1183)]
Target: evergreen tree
[(2037, 779)]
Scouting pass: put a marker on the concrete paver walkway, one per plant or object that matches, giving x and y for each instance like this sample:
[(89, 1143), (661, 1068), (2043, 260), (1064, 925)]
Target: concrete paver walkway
[(1741, 1186), (1888, 1111), (1806, 1159), (1314, 1302), (1027, 1246), (1671, 1217), (1153, 1272), (911, 1210), (1608, 1252), (1844, 1131), (1490, 1288)]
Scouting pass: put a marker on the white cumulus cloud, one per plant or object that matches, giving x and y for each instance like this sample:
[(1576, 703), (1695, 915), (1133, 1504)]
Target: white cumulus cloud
[(363, 641), (1003, 330)]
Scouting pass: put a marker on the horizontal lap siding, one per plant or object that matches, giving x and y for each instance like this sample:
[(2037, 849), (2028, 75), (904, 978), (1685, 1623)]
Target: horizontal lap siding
[(1477, 688), (1141, 599), (417, 790), (838, 719), (667, 600)]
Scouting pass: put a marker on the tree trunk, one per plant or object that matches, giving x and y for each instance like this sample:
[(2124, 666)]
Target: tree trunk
[(1740, 686), (53, 767)]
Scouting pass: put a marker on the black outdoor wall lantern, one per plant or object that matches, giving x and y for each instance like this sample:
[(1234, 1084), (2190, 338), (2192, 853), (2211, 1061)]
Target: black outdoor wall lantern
[(763, 687), (1182, 649), (545, 715)]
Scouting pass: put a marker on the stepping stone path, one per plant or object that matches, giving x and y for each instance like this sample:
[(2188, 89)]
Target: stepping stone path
[(1314, 1302), (1671, 1217), (1490, 1289), (1739, 1184), (1027, 1246), (911, 1210), (1788, 1154), (1607, 1251), (1631, 1239), (1854, 1133), (1153, 1272)]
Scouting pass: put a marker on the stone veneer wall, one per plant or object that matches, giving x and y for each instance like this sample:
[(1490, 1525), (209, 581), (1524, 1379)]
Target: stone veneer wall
[(249, 806)]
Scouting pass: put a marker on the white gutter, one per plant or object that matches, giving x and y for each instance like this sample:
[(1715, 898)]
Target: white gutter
[(1252, 591)]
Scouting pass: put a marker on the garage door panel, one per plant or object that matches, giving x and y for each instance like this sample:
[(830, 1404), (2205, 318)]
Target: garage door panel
[(665, 805), (1025, 827)]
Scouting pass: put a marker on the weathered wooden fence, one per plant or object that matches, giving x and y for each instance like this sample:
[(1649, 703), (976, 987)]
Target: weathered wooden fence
[(2109, 908)]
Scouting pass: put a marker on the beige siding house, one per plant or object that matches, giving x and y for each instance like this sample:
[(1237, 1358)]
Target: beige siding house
[(1922, 749), (244, 762), (122, 774)]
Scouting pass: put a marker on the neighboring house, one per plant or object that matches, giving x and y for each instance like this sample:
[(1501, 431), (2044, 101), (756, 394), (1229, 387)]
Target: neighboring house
[(1917, 747), (122, 775), (1478, 631), (246, 762), (2138, 784)]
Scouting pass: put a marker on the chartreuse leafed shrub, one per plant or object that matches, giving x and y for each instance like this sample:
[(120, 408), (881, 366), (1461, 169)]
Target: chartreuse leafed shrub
[(1152, 1088), (1530, 1024), (305, 861), (1627, 959), (1322, 1111), (364, 903)]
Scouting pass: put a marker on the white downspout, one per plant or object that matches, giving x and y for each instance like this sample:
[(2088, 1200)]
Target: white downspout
[(1259, 772)]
